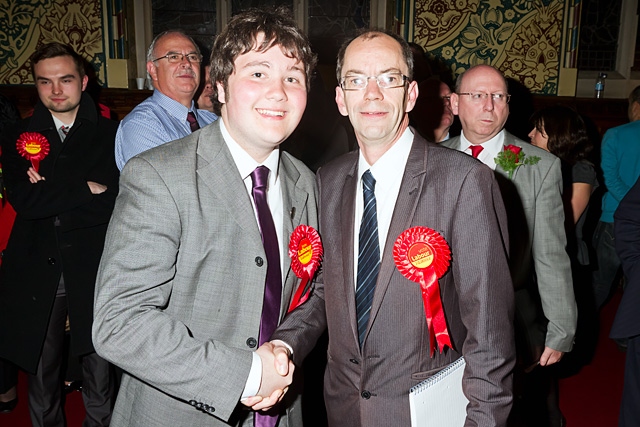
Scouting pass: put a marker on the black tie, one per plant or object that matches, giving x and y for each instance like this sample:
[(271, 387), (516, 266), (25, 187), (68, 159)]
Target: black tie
[(368, 255), (193, 122)]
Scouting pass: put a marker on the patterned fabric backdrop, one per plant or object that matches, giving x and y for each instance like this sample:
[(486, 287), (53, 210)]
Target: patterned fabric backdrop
[(522, 38), (26, 24)]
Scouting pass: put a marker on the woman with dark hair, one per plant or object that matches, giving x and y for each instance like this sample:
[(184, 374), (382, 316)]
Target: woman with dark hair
[(562, 132)]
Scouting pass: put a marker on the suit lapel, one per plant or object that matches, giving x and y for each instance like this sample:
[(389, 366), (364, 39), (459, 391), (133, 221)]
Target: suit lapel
[(220, 175), (404, 211), (347, 226), (294, 201)]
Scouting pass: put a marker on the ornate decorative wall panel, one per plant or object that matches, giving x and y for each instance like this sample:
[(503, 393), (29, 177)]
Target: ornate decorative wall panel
[(522, 38), (25, 24)]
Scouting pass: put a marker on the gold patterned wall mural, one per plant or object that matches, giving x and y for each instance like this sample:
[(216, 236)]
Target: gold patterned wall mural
[(26, 24), (522, 38)]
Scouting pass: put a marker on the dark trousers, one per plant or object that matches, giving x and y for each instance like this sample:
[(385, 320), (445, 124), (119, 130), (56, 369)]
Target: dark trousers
[(629, 408), (8, 376), (608, 262), (45, 387)]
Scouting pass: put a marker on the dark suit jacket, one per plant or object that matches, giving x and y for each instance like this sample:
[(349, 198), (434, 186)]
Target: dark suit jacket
[(627, 238), (458, 197), (39, 251)]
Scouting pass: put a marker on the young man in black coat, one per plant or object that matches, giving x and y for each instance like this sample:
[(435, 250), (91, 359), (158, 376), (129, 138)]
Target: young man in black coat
[(61, 178)]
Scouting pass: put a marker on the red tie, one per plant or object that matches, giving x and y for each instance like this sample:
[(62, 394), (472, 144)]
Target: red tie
[(475, 150)]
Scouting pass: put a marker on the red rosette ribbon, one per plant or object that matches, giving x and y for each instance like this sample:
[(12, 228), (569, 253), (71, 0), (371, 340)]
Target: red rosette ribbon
[(422, 255), (33, 146), (305, 251)]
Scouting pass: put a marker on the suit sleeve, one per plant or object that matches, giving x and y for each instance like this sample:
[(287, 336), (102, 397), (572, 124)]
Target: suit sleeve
[(131, 328), (485, 292), (304, 325), (551, 262)]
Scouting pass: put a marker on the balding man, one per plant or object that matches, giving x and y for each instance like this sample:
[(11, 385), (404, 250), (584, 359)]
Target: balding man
[(173, 63), (539, 263)]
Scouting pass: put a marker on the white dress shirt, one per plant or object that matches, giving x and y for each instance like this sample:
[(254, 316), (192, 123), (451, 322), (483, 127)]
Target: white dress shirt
[(387, 171), (246, 165)]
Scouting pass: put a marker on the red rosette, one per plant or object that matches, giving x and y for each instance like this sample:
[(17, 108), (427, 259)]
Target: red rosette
[(33, 146), (422, 255), (305, 251)]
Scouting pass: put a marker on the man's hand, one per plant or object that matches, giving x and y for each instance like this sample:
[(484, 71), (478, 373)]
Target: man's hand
[(34, 177), (277, 374), (550, 356), (96, 188)]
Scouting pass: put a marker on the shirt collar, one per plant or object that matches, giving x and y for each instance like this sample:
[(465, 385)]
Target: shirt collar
[(244, 162), (388, 163), (491, 147), (58, 123), (172, 106)]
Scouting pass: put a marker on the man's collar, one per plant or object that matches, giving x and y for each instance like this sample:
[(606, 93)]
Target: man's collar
[(244, 162), (172, 106)]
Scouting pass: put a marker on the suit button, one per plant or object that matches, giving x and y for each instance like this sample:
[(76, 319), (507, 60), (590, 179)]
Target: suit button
[(252, 342), (51, 261), (192, 402), (354, 361), (205, 407), (259, 261), (365, 394)]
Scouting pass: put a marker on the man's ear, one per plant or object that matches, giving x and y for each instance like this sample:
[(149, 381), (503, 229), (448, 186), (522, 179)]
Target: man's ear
[(412, 96), (152, 70), (222, 98), (85, 81), (454, 99), (342, 107)]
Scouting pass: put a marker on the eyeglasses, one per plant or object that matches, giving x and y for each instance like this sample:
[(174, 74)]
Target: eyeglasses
[(174, 58), (498, 98), (385, 81)]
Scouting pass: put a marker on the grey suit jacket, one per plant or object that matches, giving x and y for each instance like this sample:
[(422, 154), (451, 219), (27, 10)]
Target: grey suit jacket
[(458, 197), (533, 198), (180, 287)]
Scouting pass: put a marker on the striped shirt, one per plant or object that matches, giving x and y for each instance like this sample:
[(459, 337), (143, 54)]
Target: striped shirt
[(156, 120)]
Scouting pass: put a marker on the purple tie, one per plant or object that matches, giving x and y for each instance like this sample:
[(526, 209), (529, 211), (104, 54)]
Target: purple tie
[(193, 123), (273, 284)]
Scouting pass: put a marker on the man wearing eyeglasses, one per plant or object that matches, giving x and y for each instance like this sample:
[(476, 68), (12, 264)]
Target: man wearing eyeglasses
[(540, 266), (173, 63), (379, 342)]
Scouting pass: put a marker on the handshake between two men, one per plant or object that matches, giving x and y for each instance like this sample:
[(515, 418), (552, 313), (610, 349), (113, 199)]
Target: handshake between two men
[(277, 375)]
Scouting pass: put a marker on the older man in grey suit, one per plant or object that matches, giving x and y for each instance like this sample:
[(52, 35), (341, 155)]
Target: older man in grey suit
[(533, 197), (379, 347), (185, 291)]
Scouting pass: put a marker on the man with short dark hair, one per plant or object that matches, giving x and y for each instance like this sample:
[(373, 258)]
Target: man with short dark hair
[(195, 274), (380, 341), (173, 63), (62, 180)]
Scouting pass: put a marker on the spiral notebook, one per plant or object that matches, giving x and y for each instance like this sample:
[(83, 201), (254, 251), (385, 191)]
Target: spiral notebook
[(438, 400)]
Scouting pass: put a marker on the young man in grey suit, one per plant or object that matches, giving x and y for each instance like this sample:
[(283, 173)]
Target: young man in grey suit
[(533, 197), (380, 347), (185, 289)]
